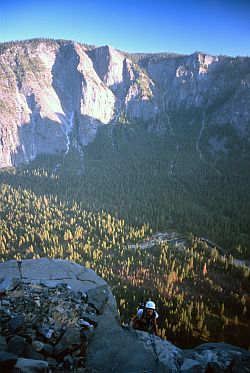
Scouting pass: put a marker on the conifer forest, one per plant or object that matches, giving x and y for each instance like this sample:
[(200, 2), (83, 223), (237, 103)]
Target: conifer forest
[(103, 206)]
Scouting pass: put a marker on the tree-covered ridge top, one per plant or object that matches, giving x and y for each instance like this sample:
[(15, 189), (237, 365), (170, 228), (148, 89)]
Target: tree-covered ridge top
[(49, 41), (151, 57), (136, 57)]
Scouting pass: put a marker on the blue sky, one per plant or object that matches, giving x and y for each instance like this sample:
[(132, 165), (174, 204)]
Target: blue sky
[(212, 26)]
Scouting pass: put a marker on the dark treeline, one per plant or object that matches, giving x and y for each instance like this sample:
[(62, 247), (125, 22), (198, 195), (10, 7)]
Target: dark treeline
[(127, 172)]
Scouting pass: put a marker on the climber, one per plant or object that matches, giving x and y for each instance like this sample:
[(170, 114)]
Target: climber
[(145, 320)]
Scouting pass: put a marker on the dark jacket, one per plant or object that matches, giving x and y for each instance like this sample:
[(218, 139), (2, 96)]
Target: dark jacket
[(144, 322)]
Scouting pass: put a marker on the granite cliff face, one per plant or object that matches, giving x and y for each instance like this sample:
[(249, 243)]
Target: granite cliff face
[(46, 87), (50, 87), (60, 316)]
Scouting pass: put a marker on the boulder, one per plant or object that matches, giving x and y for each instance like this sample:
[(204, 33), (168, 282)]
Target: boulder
[(51, 273), (220, 353), (91, 318), (16, 322), (47, 349), (98, 297), (69, 341), (9, 284), (30, 366), (38, 345), (31, 353), (5, 303), (52, 362), (191, 366), (16, 345), (240, 364), (3, 343), (213, 367), (7, 361), (69, 361), (45, 331)]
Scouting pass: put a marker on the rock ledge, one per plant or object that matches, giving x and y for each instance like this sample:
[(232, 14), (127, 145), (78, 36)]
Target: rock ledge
[(58, 316)]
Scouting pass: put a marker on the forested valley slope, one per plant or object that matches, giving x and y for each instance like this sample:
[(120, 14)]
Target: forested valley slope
[(101, 149)]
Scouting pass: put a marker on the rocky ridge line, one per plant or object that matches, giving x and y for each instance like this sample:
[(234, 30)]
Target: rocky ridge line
[(50, 87)]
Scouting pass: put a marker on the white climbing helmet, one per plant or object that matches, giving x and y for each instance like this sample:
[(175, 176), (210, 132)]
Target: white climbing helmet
[(150, 305)]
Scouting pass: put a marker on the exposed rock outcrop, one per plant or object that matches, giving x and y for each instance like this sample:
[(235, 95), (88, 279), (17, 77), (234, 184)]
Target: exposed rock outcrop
[(50, 87), (48, 311), (58, 316)]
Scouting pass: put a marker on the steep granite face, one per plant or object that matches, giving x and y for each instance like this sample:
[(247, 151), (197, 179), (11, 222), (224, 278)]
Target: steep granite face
[(50, 87), (129, 83), (45, 86), (218, 86), (30, 108)]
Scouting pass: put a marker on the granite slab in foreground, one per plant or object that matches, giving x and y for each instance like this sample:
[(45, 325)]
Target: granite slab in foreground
[(51, 272), (57, 315)]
